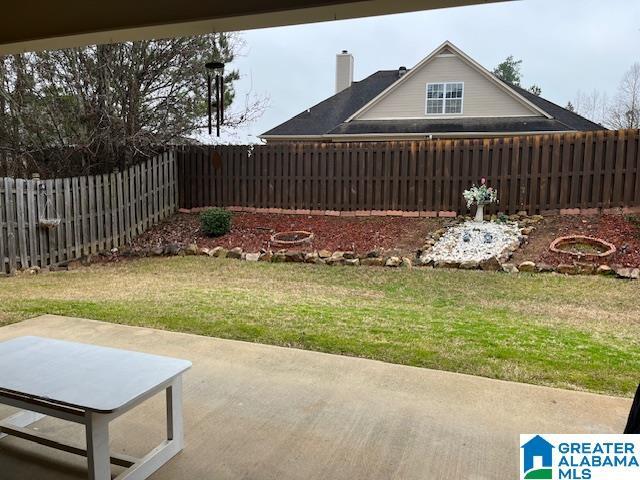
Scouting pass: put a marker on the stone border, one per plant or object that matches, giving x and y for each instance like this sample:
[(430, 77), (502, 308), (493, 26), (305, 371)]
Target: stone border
[(332, 213), (571, 239), (408, 213), (325, 257)]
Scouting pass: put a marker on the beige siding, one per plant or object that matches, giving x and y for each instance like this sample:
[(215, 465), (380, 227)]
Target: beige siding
[(482, 97)]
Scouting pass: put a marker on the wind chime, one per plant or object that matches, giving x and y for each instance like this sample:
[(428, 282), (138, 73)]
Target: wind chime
[(215, 85)]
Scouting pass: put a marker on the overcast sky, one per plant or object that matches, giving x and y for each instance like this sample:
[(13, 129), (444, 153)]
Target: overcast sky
[(565, 45)]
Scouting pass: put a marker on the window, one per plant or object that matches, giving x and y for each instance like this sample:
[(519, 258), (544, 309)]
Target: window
[(444, 98)]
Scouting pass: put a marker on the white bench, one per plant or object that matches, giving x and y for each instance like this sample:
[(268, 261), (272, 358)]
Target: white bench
[(91, 386)]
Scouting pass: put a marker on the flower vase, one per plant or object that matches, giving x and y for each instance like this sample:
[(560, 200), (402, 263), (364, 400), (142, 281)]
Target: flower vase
[(480, 213)]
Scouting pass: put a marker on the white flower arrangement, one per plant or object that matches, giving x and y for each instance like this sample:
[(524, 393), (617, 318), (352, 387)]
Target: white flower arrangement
[(480, 195)]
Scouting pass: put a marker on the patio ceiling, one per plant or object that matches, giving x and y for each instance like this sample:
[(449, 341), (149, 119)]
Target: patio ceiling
[(49, 24)]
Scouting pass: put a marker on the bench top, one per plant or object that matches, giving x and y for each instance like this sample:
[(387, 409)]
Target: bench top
[(82, 376)]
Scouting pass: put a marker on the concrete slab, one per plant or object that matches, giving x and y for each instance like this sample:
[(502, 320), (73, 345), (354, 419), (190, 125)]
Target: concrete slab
[(260, 412)]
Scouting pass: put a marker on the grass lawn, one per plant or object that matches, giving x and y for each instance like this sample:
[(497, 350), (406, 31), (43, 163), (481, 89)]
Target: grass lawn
[(571, 332)]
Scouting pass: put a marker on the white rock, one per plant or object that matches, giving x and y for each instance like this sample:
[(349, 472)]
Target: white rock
[(452, 247)]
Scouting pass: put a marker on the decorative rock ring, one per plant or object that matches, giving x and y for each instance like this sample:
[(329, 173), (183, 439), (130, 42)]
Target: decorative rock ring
[(290, 239), (597, 243)]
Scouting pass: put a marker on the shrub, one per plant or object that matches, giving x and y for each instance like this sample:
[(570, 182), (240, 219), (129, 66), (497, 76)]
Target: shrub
[(215, 221)]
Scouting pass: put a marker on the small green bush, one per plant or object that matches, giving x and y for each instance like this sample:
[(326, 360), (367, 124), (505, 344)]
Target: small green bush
[(215, 221)]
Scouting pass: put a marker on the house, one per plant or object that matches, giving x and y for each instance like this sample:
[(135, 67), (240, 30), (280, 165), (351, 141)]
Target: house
[(446, 95)]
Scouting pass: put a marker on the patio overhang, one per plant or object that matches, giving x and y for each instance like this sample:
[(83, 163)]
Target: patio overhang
[(46, 24)]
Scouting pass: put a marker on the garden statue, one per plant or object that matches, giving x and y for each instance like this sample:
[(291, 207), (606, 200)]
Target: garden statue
[(481, 196)]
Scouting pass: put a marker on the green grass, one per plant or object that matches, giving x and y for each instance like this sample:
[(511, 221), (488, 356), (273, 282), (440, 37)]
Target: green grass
[(572, 332)]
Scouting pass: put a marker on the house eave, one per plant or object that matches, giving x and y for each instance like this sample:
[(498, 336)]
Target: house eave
[(406, 136)]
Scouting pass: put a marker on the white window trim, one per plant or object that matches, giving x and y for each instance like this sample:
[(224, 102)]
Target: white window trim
[(444, 99)]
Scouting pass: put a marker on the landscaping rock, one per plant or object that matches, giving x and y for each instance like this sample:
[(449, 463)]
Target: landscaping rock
[(406, 263), (352, 262), (279, 257), (324, 254), (585, 268), (628, 273), (294, 257), (373, 262), (157, 251), (393, 262), (33, 270), (527, 230), (192, 249), (567, 269), (204, 251), (509, 268), (423, 260), (373, 254), (446, 264), (172, 249), (235, 252), (265, 256), (605, 270), (469, 264), (349, 255), (218, 252), (527, 266), (479, 242), (545, 268), (311, 257), (252, 257), (337, 255), (536, 218), (334, 260), (491, 264)]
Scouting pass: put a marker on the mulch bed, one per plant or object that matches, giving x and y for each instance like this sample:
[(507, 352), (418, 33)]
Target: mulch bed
[(252, 231), (619, 230)]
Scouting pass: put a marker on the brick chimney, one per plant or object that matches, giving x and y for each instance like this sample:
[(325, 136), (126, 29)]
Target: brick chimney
[(344, 70)]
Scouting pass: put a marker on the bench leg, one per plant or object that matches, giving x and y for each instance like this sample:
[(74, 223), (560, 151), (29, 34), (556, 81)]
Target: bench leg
[(175, 426), (98, 457), (168, 449)]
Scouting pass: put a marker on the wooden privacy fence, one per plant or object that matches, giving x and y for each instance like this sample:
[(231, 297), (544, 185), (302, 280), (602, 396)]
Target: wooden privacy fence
[(96, 213), (543, 173)]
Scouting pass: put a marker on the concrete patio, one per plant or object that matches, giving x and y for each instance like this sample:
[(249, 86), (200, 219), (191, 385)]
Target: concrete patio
[(262, 412)]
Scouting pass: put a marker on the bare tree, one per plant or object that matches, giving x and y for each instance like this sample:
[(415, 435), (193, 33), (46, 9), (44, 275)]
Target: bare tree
[(114, 103), (624, 111), (593, 105)]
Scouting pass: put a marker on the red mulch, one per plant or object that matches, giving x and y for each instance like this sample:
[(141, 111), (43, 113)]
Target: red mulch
[(252, 231), (616, 229)]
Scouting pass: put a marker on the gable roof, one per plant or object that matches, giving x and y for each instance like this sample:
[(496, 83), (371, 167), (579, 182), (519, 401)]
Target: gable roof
[(447, 46), (337, 115), (326, 115)]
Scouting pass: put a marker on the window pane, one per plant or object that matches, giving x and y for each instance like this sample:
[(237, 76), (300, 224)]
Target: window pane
[(454, 90), (435, 90), (434, 106), (453, 106)]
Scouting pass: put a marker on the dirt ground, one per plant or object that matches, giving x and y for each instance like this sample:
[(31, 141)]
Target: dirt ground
[(620, 230), (252, 231), (394, 235)]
